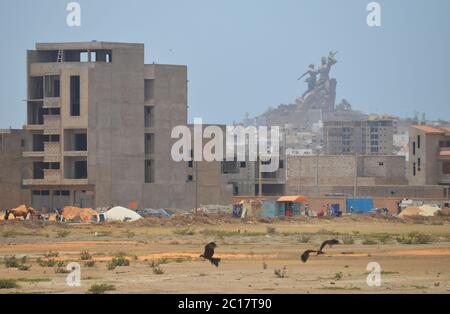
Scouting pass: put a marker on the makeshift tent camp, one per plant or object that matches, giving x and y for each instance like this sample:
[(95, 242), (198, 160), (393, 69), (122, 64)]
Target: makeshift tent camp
[(119, 213), (283, 206), (359, 205)]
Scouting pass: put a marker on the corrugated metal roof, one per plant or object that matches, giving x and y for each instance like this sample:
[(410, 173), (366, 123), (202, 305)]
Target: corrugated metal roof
[(294, 198)]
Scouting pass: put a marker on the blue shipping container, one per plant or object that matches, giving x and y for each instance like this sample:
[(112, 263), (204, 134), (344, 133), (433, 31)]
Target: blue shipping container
[(359, 205), (269, 208)]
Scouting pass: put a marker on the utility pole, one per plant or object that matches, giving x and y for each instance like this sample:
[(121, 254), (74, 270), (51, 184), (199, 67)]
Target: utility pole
[(317, 175), (196, 186), (355, 191), (259, 178)]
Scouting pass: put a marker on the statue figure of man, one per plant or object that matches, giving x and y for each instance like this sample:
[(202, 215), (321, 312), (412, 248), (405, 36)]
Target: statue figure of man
[(311, 80), (324, 69)]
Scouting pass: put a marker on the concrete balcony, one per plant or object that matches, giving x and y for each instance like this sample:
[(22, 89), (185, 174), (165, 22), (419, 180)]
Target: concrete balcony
[(77, 153), (52, 102), (54, 68), (75, 181), (52, 124), (52, 148), (33, 154), (444, 153), (51, 177), (34, 127)]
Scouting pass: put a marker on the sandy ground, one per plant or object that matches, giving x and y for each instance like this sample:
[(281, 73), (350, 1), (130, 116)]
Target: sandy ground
[(251, 252)]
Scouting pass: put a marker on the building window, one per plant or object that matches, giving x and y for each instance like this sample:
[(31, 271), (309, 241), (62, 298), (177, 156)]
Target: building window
[(149, 143), (148, 116), (190, 164), (149, 171), (418, 164), (414, 148), (74, 95), (414, 169), (281, 164), (148, 89), (443, 144), (446, 167), (190, 178), (243, 164), (418, 141), (229, 167), (80, 169)]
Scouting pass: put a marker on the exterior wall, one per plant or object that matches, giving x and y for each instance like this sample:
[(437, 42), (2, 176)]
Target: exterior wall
[(430, 171), (11, 165), (327, 170)]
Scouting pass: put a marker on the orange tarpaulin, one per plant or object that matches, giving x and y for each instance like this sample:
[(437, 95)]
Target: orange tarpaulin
[(294, 198)]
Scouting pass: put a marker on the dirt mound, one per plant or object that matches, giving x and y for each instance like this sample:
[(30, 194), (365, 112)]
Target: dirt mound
[(72, 213)]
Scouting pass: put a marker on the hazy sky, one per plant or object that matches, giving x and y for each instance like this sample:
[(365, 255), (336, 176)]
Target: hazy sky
[(246, 55)]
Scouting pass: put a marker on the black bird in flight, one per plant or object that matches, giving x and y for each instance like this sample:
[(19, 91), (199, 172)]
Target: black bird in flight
[(305, 255), (325, 243), (209, 253)]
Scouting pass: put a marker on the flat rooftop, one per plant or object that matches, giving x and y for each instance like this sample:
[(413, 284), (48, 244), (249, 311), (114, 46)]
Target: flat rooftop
[(88, 45)]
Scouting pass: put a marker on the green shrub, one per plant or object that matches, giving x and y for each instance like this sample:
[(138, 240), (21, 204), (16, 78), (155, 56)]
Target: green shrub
[(368, 241), (304, 239), (51, 254), (11, 262), (158, 270), (338, 276), (46, 263), (118, 261), (100, 288), (415, 238), (62, 233), (8, 284), (348, 239), (184, 231), (85, 256), (89, 263), (280, 273)]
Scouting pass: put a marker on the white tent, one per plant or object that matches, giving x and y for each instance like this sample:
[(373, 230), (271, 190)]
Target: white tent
[(120, 213)]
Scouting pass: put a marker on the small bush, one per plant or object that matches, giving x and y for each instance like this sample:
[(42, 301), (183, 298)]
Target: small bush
[(415, 238), (24, 267), (118, 261), (46, 263), (271, 230), (338, 276), (368, 241), (11, 262), (304, 239), (100, 288), (184, 231), (62, 233), (61, 270), (51, 254), (89, 264), (85, 256), (348, 239), (8, 284), (158, 270), (280, 273)]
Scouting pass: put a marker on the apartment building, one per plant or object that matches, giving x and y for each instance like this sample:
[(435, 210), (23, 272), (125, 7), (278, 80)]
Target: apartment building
[(429, 155), (368, 137), (99, 127)]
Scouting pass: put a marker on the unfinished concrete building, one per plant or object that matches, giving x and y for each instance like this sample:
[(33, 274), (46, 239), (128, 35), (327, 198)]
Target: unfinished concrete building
[(99, 126)]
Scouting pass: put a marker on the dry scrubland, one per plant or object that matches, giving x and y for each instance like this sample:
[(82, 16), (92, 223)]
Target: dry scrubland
[(258, 256)]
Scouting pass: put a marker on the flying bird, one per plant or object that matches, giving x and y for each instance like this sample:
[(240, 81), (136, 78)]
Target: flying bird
[(209, 253), (305, 255), (325, 243)]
